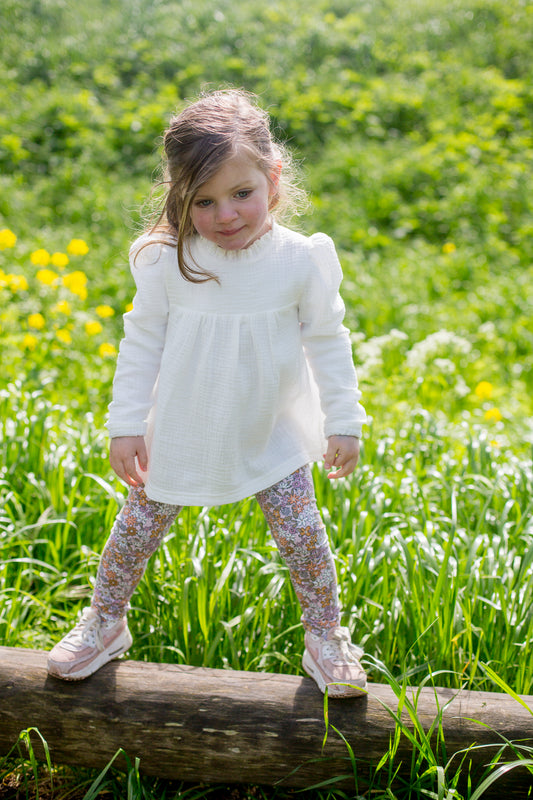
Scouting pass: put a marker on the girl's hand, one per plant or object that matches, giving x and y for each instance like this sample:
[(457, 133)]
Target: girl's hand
[(122, 454), (343, 454)]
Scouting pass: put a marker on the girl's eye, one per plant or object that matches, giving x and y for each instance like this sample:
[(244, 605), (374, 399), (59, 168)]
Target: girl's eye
[(203, 203), (243, 194)]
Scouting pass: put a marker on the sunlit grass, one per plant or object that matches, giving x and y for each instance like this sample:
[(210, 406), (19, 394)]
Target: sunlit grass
[(434, 558)]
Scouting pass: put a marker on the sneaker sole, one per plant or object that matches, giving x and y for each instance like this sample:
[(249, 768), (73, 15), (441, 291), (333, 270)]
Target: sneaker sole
[(115, 649), (334, 689)]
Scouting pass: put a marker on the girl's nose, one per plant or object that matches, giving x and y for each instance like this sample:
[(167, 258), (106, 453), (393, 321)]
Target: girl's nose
[(226, 212)]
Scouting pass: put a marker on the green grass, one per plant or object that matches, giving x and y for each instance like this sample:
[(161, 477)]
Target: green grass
[(431, 536), (412, 125)]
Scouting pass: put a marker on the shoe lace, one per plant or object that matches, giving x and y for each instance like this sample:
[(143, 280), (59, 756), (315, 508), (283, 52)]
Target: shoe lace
[(339, 648), (86, 632)]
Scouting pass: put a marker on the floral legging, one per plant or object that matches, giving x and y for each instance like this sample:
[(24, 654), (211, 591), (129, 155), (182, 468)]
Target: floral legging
[(291, 512)]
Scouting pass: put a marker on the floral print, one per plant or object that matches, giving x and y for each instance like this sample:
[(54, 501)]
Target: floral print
[(138, 531), (291, 512)]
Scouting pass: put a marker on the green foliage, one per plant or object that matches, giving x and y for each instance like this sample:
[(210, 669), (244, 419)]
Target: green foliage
[(410, 115)]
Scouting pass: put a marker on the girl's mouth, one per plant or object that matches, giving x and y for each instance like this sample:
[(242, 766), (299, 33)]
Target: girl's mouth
[(230, 232)]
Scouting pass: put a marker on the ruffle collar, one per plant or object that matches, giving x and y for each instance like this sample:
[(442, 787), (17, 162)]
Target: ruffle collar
[(203, 247)]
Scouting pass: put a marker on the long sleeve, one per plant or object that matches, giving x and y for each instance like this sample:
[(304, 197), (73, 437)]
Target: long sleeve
[(327, 344), (141, 349)]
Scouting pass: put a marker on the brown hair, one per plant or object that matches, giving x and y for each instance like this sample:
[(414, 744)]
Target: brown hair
[(196, 144)]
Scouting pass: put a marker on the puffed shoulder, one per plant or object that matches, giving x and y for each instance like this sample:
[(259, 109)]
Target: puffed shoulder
[(321, 241), (324, 256)]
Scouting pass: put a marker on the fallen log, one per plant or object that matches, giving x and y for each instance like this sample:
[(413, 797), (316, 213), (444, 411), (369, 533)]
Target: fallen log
[(223, 726)]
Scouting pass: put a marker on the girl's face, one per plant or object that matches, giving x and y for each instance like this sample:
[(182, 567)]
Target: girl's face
[(232, 208)]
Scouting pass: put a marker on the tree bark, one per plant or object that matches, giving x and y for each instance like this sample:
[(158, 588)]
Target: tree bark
[(223, 726)]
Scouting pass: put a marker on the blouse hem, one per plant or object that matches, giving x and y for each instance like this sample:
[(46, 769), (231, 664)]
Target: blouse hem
[(250, 489)]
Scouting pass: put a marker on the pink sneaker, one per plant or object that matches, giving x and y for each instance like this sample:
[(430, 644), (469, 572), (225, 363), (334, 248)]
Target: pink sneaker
[(333, 663), (88, 646)]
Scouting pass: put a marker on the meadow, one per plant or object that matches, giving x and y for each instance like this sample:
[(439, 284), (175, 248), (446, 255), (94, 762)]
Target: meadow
[(411, 124)]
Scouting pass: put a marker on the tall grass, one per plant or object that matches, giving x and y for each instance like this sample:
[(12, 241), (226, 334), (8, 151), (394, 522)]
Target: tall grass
[(432, 545), (433, 555)]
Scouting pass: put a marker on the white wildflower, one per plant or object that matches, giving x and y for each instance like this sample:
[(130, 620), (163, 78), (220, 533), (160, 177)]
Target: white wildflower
[(370, 353), (444, 365), (440, 344)]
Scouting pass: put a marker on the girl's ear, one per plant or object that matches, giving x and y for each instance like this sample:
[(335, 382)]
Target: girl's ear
[(275, 174)]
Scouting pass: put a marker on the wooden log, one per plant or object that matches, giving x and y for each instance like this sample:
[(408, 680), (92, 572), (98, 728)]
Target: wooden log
[(223, 726)]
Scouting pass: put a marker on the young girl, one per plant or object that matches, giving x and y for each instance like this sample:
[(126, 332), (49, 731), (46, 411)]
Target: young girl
[(234, 374)]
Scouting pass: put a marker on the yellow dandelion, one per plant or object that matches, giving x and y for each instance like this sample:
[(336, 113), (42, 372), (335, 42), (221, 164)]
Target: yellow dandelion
[(7, 239), (29, 342), (107, 350), (36, 321), (484, 390), (73, 278), (129, 307), (76, 282), (17, 283), (47, 276), (41, 258), (64, 336), (92, 328), (104, 311), (493, 415), (448, 248), (63, 307), (77, 247), (60, 260)]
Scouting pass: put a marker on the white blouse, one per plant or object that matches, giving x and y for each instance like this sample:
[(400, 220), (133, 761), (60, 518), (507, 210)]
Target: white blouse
[(234, 384)]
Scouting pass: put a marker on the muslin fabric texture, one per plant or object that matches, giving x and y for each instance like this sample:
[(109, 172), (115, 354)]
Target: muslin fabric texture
[(237, 383)]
